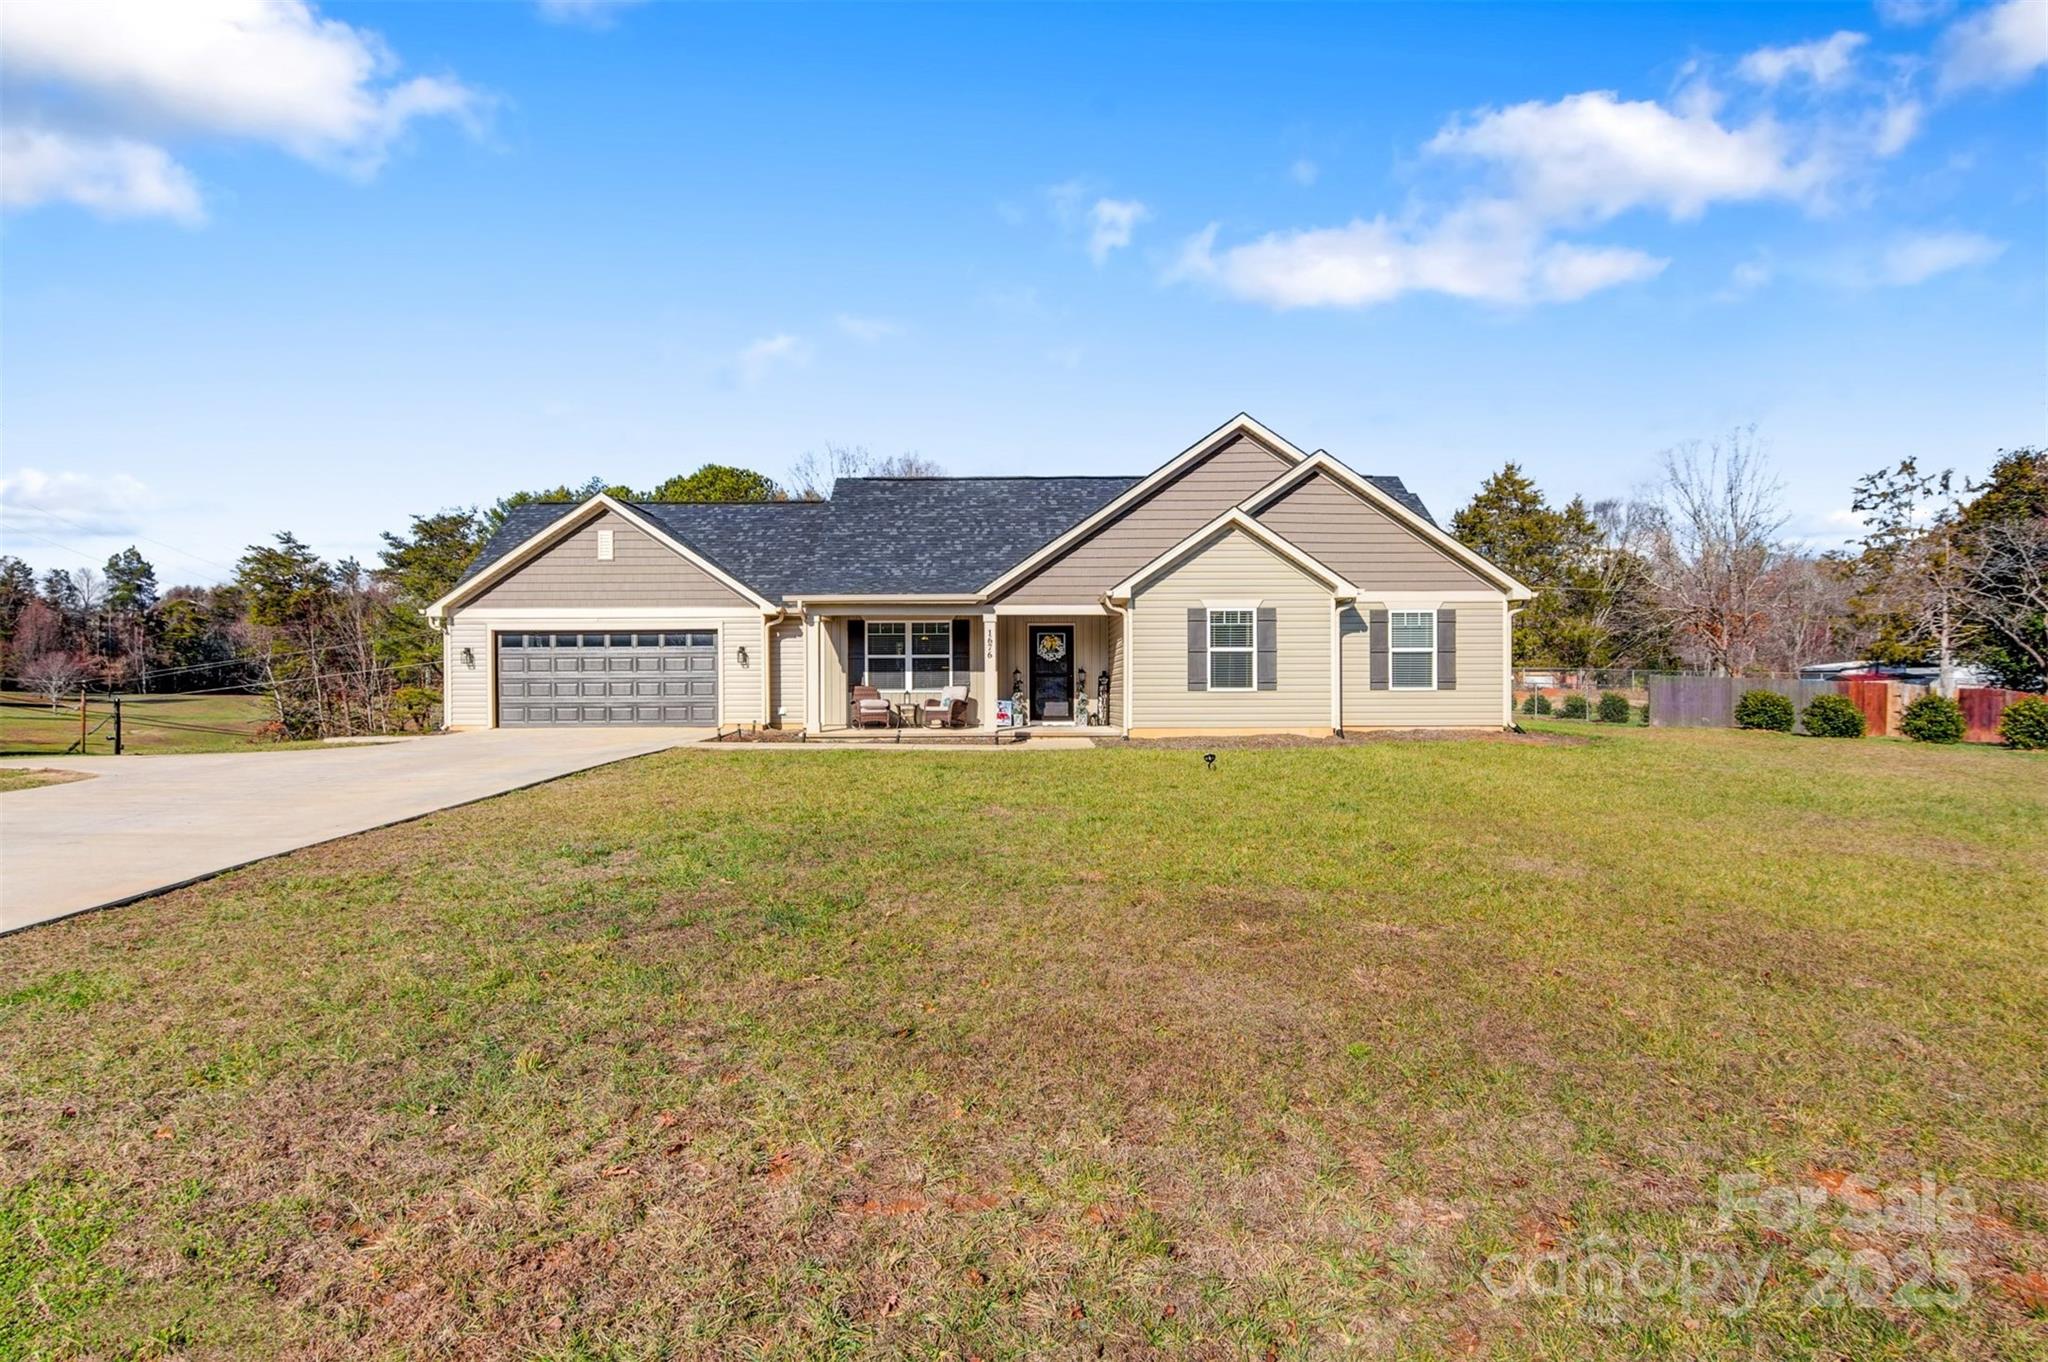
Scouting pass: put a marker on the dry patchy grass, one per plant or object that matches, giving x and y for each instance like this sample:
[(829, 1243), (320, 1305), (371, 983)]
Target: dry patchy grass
[(1068, 1054), (32, 777)]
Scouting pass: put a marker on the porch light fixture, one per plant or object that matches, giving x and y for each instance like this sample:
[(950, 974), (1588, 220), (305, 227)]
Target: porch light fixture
[(469, 657), (743, 654)]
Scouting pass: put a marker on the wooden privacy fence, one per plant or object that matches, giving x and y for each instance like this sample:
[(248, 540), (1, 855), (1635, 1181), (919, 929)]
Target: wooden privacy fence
[(1983, 707), (1709, 701)]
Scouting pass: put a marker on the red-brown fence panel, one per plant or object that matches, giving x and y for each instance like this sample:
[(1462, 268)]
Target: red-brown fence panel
[(1983, 707), (1875, 699)]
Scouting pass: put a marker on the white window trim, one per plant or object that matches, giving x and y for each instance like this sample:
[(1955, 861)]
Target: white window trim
[(1393, 652), (909, 628), (1251, 650)]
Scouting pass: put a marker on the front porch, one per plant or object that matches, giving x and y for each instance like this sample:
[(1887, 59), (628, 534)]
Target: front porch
[(1060, 669)]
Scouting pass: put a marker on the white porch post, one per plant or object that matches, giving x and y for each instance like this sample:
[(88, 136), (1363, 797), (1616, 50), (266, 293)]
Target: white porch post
[(814, 713), (991, 687), (1336, 665)]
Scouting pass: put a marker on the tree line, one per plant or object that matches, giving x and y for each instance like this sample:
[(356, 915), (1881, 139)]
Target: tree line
[(338, 648), (1694, 572)]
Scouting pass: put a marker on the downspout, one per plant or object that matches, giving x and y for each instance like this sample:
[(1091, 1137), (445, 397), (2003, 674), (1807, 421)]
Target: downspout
[(769, 619), (1123, 617)]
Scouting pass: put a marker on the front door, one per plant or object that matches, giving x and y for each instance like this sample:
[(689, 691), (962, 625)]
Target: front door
[(1052, 673)]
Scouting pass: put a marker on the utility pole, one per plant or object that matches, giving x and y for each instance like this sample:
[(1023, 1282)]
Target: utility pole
[(81, 721)]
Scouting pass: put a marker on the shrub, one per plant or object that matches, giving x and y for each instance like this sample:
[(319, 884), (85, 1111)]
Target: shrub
[(1933, 718), (1543, 704), (413, 706), (1643, 715), (1832, 716), (1574, 707), (1764, 709), (1613, 707), (1529, 705), (2025, 724)]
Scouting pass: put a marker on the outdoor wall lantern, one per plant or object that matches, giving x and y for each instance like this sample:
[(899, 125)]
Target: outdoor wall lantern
[(743, 655), (469, 657)]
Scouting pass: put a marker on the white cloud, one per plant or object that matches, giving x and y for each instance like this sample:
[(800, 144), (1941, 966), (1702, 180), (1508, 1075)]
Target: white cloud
[(1920, 256), (1304, 172), (758, 360), (599, 14), (1995, 47), (1824, 61), (1110, 223), (268, 71), (1594, 156), (115, 177), (1896, 126), (867, 330), (1746, 278), (77, 503), (1487, 252), (1911, 13)]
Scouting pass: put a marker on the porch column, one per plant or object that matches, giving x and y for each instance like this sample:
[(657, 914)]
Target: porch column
[(814, 713), (990, 686), (1336, 665)]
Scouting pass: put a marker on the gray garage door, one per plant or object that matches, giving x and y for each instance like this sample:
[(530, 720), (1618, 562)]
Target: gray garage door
[(611, 678)]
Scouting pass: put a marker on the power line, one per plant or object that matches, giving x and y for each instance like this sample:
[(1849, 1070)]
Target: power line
[(147, 539)]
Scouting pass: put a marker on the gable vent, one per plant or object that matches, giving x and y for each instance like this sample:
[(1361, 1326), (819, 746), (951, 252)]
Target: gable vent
[(604, 546)]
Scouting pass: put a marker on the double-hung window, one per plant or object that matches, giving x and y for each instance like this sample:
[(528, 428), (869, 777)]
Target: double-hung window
[(1412, 648), (913, 655), (1231, 646)]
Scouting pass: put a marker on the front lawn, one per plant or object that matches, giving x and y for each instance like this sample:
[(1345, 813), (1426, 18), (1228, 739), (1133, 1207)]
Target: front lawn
[(1089, 1053)]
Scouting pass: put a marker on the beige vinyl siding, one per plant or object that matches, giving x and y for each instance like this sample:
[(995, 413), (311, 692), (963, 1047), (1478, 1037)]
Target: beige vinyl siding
[(1362, 543), (1476, 702), (642, 571), (466, 690), (786, 691), (1201, 493), (1091, 648), (739, 683), (1232, 567)]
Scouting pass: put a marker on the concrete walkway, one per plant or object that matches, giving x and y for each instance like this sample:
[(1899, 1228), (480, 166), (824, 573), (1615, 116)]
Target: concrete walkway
[(145, 824)]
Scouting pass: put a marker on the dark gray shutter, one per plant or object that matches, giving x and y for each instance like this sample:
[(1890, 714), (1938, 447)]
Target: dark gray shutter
[(1198, 648), (1446, 649), (963, 659), (1269, 671), (1376, 639), (856, 652)]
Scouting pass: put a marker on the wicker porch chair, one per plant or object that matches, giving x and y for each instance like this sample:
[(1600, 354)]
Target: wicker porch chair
[(869, 710), (946, 710)]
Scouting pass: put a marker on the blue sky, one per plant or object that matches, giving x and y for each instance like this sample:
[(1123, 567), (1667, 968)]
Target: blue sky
[(269, 267)]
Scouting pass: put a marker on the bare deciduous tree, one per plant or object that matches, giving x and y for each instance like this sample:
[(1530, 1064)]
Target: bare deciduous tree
[(1715, 546), (53, 675), (811, 477), (2004, 584)]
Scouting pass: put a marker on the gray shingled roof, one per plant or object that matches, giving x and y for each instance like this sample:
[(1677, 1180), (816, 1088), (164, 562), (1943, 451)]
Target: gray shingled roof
[(876, 536)]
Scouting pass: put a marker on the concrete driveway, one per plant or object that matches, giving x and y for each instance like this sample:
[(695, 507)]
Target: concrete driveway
[(145, 824)]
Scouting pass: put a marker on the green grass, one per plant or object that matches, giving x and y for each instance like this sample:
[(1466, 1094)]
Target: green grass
[(1053, 1054), (150, 724)]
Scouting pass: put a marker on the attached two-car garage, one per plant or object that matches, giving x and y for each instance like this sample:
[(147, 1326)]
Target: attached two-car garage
[(643, 677)]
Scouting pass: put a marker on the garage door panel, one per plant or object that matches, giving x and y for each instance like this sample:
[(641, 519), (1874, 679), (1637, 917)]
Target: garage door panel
[(669, 677)]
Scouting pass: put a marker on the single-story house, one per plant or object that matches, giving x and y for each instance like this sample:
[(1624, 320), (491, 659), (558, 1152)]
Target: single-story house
[(1243, 586)]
